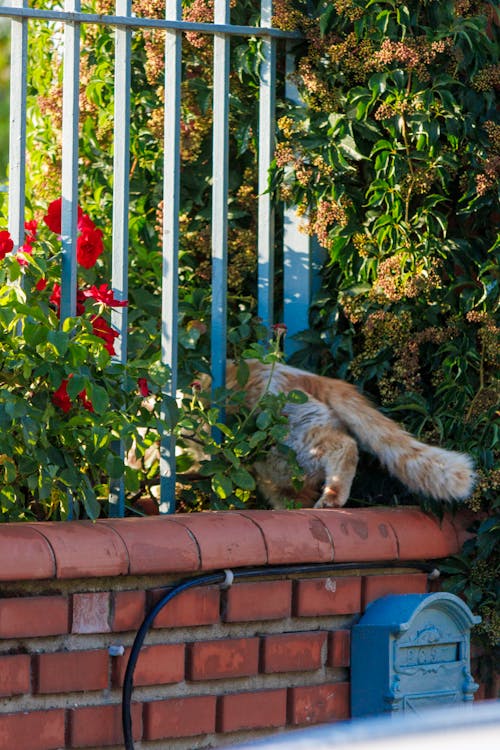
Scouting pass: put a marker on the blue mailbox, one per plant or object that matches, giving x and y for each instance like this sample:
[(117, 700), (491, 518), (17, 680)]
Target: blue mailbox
[(410, 652)]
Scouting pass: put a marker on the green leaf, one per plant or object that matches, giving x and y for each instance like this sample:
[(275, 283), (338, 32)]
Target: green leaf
[(243, 479), (242, 373), (184, 462), (16, 407), (90, 502), (189, 339), (349, 147), (297, 397), (222, 485), (114, 466), (59, 340), (98, 396), (159, 373), (263, 420), (170, 412), (76, 385)]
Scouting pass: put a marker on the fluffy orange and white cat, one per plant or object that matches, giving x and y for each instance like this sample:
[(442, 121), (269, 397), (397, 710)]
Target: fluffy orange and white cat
[(325, 432)]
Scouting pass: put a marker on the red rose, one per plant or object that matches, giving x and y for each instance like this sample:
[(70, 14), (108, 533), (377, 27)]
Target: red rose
[(104, 331), (30, 227), (55, 299), (105, 295), (41, 284), (60, 397), (89, 243), (143, 387), (86, 403), (53, 216), (22, 253), (6, 244)]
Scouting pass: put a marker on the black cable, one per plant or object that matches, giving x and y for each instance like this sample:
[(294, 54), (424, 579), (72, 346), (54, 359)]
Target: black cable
[(222, 577)]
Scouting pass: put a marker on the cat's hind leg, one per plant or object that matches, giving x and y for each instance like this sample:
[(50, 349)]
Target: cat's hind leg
[(339, 462), (323, 449)]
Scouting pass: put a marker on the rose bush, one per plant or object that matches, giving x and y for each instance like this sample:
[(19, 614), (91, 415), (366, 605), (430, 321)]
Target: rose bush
[(65, 405)]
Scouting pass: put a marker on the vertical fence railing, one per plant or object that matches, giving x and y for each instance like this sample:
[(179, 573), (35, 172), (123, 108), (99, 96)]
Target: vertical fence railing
[(69, 169), (171, 204), (17, 125), (121, 170), (173, 26), (220, 171), (265, 237)]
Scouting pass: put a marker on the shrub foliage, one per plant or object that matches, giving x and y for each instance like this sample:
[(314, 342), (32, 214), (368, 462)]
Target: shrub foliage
[(393, 159)]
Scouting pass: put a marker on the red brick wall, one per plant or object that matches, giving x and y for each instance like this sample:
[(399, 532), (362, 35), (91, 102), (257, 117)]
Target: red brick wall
[(218, 665)]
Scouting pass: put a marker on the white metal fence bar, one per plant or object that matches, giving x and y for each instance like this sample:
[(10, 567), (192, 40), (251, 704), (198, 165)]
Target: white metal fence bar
[(171, 191), (146, 23), (220, 170), (17, 138), (265, 244), (69, 180), (121, 170)]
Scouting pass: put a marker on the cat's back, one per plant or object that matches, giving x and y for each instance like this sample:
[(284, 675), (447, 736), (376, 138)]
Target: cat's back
[(279, 377)]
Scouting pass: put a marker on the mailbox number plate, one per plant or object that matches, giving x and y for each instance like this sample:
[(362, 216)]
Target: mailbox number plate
[(435, 653)]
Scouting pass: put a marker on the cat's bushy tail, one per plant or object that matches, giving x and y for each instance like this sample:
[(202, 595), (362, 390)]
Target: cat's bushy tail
[(439, 473), (436, 472)]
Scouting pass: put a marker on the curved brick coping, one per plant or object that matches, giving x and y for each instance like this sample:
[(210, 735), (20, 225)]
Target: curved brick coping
[(187, 543)]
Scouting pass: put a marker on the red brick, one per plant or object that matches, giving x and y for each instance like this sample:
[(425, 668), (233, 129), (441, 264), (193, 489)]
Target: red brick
[(397, 583), (292, 652), (15, 674), (155, 544), (33, 616), (420, 536), (327, 596), (65, 672), (266, 600), (128, 610), (91, 613), (198, 606), (38, 730), (292, 536), (224, 539), (213, 660), (99, 726), (24, 553), (179, 717), (266, 708), (359, 533), (339, 648), (84, 548), (315, 704), (156, 665)]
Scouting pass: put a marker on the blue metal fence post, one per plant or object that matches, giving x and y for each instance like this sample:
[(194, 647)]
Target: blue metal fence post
[(17, 137), (171, 202), (220, 170), (70, 119), (265, 242), (121, 170), (302, 255)]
